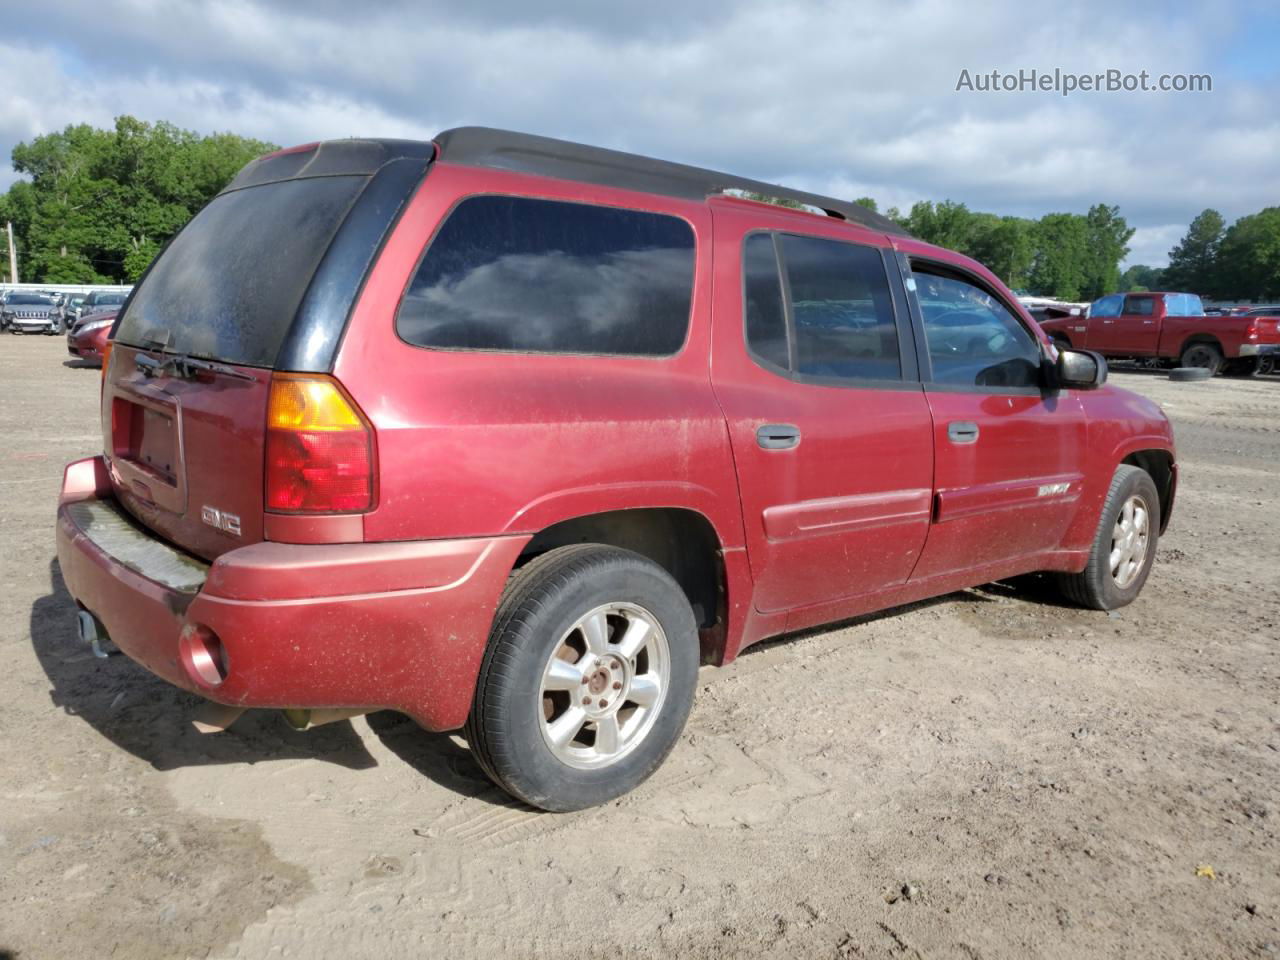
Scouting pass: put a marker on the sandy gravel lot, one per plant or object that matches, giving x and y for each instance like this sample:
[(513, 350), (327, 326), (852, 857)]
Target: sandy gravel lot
[(991, 774)]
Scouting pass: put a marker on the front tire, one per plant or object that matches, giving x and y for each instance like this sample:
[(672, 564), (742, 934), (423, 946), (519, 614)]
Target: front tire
[(588, 678), (1124, 546)]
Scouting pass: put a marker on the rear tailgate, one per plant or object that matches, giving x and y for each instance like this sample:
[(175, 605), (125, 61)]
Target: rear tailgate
[(1268, 329), (232, 299), (186, 454)]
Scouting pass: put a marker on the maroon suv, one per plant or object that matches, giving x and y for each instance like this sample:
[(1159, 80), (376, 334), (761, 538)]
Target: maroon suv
[(511, 434)]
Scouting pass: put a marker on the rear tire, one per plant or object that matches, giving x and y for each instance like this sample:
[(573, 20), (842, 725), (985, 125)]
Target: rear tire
[(1244, 368), (1204, 355), (587, 680), (1124, 546)]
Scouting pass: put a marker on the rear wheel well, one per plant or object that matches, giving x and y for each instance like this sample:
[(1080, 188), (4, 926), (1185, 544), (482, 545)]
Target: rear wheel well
[(1205, 338), (1159, 464), (682, 542)]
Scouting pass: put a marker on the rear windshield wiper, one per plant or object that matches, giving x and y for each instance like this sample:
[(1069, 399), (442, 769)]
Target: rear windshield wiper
[(185, 368)]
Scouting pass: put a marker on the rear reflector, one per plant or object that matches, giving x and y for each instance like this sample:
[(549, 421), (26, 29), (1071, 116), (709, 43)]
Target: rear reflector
[(319, 448)]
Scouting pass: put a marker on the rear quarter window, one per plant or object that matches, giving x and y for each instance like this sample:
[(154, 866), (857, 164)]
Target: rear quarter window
[(547, 276)]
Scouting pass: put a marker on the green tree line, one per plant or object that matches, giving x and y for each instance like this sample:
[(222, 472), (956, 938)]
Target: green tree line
[(1067, 255), (96, 205), (1237, 262)]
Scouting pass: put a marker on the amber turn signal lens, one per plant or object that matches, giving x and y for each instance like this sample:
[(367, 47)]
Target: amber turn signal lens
[(309, 403), (106, 358)]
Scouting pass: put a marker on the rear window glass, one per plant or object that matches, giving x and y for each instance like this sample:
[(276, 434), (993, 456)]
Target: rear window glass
[(229, 284), (546, 276)]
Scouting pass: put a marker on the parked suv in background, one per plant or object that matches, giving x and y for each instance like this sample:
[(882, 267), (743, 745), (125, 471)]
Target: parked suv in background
[(30, 313), (509, 434)]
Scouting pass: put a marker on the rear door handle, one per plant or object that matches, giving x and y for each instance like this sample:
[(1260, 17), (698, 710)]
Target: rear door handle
[(778, 436), (962, 431)]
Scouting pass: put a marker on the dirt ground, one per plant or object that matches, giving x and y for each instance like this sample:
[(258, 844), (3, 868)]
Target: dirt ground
[(991, 774)]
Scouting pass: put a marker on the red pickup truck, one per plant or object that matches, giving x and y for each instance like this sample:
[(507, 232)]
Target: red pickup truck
[(509, 434), (1171, 327)]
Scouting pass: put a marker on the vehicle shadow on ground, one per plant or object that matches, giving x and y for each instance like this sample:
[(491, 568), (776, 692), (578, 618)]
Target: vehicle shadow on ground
[(151, 719), (81, 365), (1037, 588)]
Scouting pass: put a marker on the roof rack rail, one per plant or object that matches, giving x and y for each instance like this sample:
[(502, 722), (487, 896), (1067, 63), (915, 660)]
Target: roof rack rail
[(565, 160)]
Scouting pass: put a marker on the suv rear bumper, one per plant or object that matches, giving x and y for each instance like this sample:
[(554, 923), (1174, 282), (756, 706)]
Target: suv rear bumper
[(398, 626)]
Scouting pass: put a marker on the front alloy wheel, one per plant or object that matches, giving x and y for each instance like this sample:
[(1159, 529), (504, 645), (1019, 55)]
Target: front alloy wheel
[(1129, 541)]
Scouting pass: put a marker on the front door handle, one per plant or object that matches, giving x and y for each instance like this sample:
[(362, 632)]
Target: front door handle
[(962, 431), (778, 436)]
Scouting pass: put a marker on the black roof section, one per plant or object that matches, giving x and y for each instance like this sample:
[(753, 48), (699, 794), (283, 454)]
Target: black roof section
[(564, 160), (329, 158)]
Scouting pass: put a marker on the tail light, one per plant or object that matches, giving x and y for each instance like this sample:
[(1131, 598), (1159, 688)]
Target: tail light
[(106, 359), (319, 448), (1251, 331)]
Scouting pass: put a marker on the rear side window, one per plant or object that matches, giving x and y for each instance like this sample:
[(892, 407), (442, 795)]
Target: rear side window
[(228, 286), (762, 294), (1139, 306), (837, 308), (1183, 305), (547, 276)]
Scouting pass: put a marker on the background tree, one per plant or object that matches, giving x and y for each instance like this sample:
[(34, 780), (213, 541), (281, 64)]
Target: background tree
[(1107, 239), (1140, 277), (98, 204), (1062, 259), (1193, 263), (1005, 245), (1248, 261)]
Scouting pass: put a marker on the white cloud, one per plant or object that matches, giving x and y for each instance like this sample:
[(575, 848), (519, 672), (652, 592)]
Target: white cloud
[(1151, 245), (850, 98)]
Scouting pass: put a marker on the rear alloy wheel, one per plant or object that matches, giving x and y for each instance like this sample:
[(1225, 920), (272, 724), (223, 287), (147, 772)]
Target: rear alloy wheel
[(1124, 546), (588, 677), (1206, 356)]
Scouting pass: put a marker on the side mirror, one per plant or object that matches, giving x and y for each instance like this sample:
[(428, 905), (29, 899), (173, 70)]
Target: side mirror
[(1081, 369)]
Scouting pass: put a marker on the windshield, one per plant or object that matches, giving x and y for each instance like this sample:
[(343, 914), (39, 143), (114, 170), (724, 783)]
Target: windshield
[(228, 286), (30, 299)]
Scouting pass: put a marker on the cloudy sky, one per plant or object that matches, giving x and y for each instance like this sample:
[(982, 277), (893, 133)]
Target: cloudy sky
[(844, 98)]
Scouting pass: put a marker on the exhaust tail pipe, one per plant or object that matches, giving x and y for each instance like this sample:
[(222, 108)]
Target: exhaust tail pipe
[(94, 634), (305, 719)]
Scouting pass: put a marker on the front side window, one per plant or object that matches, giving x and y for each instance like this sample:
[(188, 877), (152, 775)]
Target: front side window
[(1139, 306), (1108, 306), (547, 276), (974, 339), (837, 321)]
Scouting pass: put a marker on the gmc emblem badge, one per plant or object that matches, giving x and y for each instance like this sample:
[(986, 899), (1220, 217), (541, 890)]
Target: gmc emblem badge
[(226, 522)]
